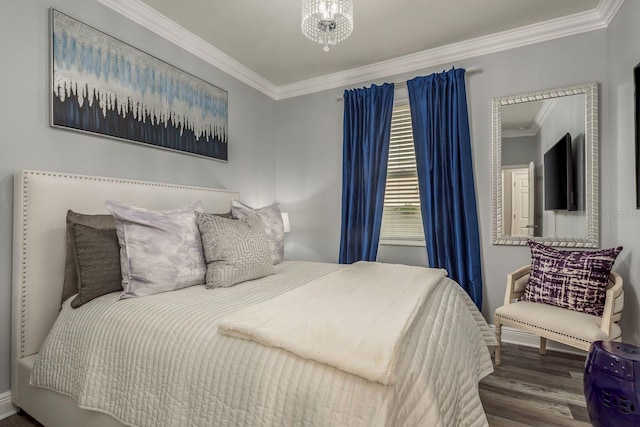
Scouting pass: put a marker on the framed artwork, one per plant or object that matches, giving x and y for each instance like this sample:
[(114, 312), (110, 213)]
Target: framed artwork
[(104, 86)]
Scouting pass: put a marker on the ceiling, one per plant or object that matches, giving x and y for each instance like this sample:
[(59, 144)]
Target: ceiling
[(260, 41), (525, 118)]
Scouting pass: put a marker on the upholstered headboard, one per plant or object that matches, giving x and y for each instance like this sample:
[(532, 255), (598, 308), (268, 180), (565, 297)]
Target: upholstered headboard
[(41, 200)]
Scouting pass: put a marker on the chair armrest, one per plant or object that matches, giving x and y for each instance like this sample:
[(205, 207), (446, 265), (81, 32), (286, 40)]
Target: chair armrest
[(612, 311), (516, 282)]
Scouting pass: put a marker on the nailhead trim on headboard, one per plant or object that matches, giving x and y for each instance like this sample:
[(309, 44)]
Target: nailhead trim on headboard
[(25, 228), (23, 297), (124, 181)]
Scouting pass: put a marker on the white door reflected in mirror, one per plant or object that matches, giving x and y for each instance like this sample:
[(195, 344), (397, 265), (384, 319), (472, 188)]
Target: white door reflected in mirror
[(518, 200)]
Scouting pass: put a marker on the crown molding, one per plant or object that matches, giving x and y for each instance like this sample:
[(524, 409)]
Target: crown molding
[(544, 112), (607, 10), (149, 18), (518, 133), (578, 23), (548, 105), (154, 21)]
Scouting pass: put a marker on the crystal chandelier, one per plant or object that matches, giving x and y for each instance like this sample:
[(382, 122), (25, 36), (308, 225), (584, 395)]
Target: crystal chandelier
[(327, 22)]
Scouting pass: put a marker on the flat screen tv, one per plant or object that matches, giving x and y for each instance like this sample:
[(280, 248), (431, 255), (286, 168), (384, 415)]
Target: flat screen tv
[(559, 192)]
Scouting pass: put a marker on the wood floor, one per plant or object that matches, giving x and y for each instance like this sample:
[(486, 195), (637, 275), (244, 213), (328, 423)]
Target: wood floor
[(19, 421), (529, 389), (526, 390)]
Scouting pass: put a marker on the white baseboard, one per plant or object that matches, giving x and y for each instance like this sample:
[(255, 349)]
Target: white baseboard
[(516, 336), (6, 407)]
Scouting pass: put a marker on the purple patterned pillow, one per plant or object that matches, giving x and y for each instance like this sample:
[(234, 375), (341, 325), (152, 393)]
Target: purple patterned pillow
[(576, 280)]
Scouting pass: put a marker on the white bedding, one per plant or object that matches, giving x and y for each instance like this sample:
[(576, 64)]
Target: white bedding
[(159, 361), (354, 318)]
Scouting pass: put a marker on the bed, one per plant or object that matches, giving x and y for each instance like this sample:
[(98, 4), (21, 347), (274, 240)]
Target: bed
[(118, 374)]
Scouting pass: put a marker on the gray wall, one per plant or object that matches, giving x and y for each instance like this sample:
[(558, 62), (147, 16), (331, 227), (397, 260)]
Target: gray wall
[(567, 116), (519, 151), (27, 141), (309, 141), (291, 150), (620, 219)]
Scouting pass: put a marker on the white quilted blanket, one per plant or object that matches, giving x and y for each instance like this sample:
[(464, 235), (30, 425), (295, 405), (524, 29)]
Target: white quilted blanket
[(160, 361), (353, 319)]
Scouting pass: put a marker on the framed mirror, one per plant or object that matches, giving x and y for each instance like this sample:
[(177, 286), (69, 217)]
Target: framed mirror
[(545, 167)]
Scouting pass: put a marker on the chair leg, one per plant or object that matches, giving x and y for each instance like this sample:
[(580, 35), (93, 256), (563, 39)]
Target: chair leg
[(499, 338), (543, 345)]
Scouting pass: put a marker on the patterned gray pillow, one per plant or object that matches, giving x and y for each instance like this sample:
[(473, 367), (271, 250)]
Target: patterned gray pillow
[(97, 260), (159, 250), (576, 280), (271, 218), (70, 286), (236, 250)]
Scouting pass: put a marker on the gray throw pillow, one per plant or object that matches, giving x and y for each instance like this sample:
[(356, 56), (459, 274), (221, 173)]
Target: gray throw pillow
[(70, 286), (271, 218), (159, 250), (97, 259), (235, 250)]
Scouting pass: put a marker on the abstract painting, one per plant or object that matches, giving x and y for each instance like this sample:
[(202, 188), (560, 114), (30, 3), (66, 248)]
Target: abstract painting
[(105, 86)]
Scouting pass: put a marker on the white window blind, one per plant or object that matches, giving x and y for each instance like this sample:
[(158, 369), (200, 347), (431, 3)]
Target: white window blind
[(401, 218)]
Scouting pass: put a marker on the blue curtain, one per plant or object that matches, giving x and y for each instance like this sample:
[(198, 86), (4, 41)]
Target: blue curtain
[(366, 133), (447, 195)]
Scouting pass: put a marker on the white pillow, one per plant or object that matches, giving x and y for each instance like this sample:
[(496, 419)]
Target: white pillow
[(159, 250)]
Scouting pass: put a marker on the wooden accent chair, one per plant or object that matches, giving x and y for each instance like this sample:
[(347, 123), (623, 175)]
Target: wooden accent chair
[(558, 324)]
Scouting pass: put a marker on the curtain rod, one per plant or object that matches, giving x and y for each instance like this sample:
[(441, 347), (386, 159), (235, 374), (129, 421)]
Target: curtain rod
[(403, 83)]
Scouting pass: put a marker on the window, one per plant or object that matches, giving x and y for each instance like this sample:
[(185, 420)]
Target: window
[(401, 217)]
